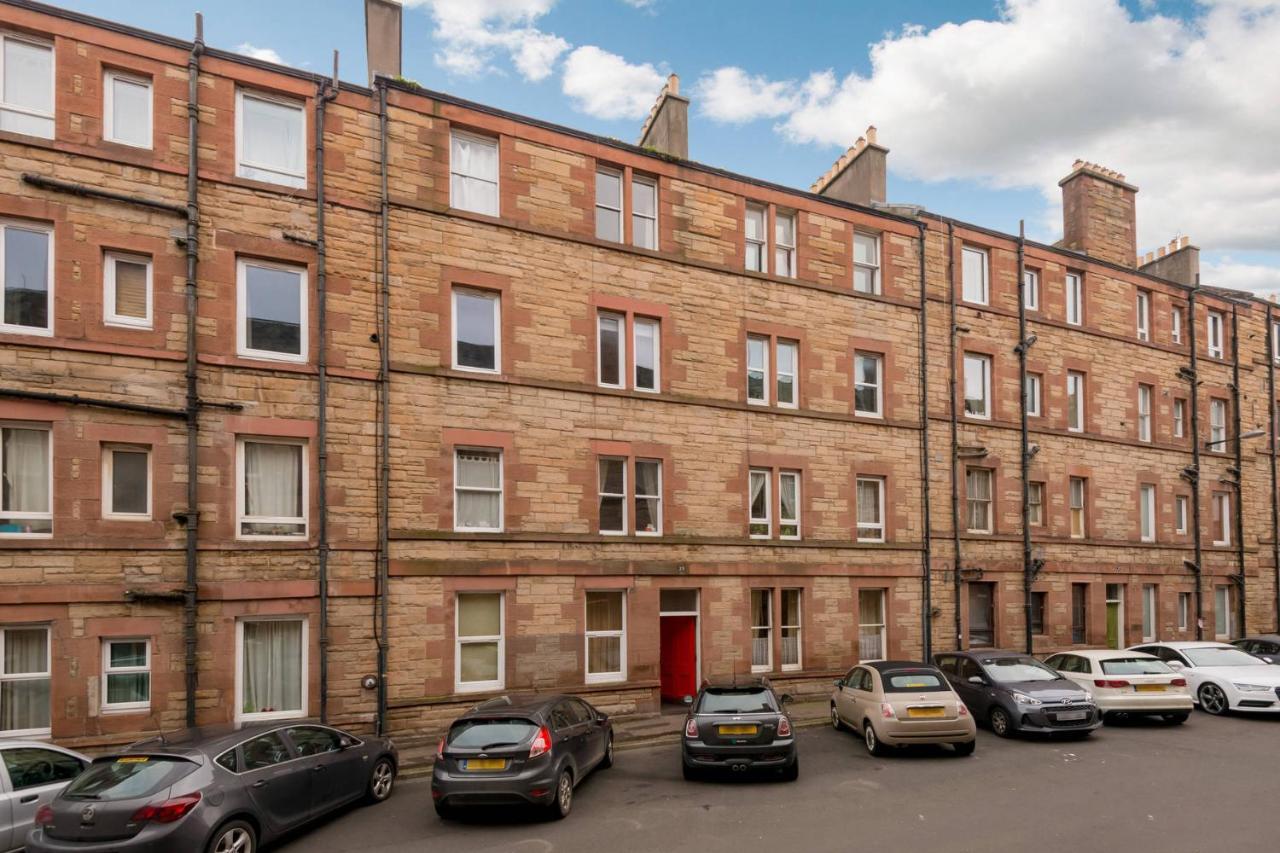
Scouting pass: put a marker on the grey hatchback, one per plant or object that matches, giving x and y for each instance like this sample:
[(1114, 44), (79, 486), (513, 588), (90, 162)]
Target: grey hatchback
[(218, 790)]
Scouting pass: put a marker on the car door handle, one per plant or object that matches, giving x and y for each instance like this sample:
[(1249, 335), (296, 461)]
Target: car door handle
[(317, 768), (261, 783), (30, 798)]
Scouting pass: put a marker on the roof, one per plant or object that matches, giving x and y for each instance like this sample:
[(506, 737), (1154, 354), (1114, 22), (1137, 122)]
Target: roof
[(1188, 644), (205, 739), (514, 703), (39, 744), (987, 653), (749, 683), (1270, 638), (1103, 654), (886, 665)]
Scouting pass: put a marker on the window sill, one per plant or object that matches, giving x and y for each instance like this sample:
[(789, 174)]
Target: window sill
[(270, 716), (33, 331), (124, 712), (279, 358)]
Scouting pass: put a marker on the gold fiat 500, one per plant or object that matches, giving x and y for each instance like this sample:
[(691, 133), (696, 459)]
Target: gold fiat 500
[(897, 703)]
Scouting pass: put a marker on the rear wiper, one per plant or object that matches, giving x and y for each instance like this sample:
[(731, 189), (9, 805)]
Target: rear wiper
[(501, 743), (82, 796)]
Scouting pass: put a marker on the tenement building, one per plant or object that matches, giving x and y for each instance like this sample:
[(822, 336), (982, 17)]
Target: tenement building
[(367, 402)]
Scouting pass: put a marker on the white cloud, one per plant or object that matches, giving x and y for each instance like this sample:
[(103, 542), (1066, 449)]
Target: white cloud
[(266, 54), (640, 4), (733, 96), (1226, 272), (470, 34), (606, 86), (1188, 110)]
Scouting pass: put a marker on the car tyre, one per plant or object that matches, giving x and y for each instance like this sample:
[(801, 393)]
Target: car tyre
[(791, 772), (964, 749), (836, 722), (382, 780), (691, 774), (1001, 724), (871, 739), (235, 836), (1175, 719), (562, 804), (445, 811), (1213, 700), (607, 761)]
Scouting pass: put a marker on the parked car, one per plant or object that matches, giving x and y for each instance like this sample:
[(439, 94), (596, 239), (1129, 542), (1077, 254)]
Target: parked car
[(520, 750), (1265, 646), (31, 775), (1127, 682), (1014, 692), (739, 726), (1222, 678), (896, 703), (214, 789)]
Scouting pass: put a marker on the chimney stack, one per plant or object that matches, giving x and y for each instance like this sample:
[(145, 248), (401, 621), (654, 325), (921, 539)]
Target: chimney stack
[(859, 175), (1178, 261), (382, 25), (667, 127), (1099, 214)]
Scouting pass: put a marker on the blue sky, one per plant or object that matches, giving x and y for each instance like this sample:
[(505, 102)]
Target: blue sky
[(982, 103)]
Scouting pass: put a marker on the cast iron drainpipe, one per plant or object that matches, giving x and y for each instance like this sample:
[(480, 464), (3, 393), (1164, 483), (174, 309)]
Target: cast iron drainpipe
[(1196, 568), (1029, 569), (926, 606), (1273, 352), (326, 91), (955, 435), (384, 400), (1239, 507)]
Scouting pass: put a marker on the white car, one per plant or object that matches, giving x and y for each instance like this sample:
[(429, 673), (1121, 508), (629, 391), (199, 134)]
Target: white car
[(1222, 678), (31, 775), (1127, 682)]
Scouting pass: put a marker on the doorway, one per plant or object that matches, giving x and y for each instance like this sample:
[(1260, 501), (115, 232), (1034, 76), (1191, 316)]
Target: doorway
[(679, 644), (982, 615), (1115, 615)]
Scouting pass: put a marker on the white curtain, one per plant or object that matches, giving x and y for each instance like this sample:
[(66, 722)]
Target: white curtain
[(474, 179), (272, 135), (26, 470), (871, 625), (759, 501), (479, 490), (28, 83), (273, 480), (648, 498), (24, 703), (869, 503), (272, 678)]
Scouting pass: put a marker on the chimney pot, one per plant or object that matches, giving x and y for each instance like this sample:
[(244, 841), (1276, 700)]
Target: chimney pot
[(667, 127), (858, 175)]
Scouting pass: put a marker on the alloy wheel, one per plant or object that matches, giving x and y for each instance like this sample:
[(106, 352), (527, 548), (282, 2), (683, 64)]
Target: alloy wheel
[(1000, 722), (383, 780), (564, 794), (835, 719), (1213, 700), (234, 840), (869, 735)]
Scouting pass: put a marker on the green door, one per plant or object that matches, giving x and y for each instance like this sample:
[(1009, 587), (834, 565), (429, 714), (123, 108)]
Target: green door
[(1113, 624)]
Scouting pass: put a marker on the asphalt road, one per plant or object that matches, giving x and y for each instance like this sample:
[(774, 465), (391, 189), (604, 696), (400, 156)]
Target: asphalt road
[(1208, 785)]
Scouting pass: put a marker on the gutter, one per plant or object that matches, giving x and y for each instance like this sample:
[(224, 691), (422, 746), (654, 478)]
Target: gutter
[(1239, 463), (957, 563), (926, 556), (1029, 568), (1192, 475), (1271, 441), (384, 402)]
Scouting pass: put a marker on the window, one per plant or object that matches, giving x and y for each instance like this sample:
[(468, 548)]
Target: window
[(126, 290), (1079, 613), (1035, 504), (1075, 299), (868, 384), (644, 212), (1037, 612), (1147, 512), (609, 334), (473, 173), (270, 140), (974, 276), (26, 86), (479, 659), (1275, 341), (477, 493), (761, 630), (978, 499), (866, 263), (1149, 613), (606, 636), (126, 482), (262, 751), (36, 767), (26, 264), (789, 505), (1033, 395), (1184, 610), (1180, 514), (1221, 518), (1075, 401), (1145, 393), (26, 472), (272, 303), (477, 330), (870, 509), (872, 639), (1179, 418), (1223, 613), (272, 669), (784, 245), (790, 629), (755, 237), (757, 369), (313, 740), (1078, 487), (788, 354), (1214, 320), (613, 496), (1031, 290), (646, 354), (761, 526), (1175, 326), (977, 385), (609, 205), (126, 109), (1218, 426), (1142, 308), (648, 497), (25, 703), (126, 675), (273, 489)]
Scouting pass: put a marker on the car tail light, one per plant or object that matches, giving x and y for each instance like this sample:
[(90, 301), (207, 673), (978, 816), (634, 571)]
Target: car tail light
[(44, 816), (541, 743), (1110, 682), (691, 728), (962, 709), (784, 727), (1179, 682), (886, 711), (168, 811), (440, 749)]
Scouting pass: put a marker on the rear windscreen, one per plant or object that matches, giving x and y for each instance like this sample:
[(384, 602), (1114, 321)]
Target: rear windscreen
[(490, 734), (736, 701), (127, 777), (908, 681), (1135, 666)]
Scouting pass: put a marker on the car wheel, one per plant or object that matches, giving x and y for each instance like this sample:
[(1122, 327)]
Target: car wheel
[(871, 739), (791, 772), (236, 836), (607, 761), (1175, 719), (1001, 725), (836, 722), (381, 781), (1213, 700), (445, 811), (964, 748), (563, 802), (691, 774)]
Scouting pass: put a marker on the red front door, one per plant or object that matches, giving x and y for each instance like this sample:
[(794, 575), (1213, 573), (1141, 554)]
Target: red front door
[(679, 654)]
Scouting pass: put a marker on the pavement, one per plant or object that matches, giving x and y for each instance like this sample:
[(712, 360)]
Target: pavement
[(1204, 786)]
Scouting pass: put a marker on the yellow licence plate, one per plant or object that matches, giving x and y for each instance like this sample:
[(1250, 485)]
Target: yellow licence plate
[(1149, 688), (926, 713), (737, 730), (472, 765)]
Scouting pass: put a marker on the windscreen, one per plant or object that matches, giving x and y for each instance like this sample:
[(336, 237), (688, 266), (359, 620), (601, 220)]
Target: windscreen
[(490, 734), (1135, 666), (745, 700), (127, 777), (912, 680), (1011, 670)]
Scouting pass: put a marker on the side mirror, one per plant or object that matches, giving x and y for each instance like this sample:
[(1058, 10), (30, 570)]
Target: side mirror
[(839, 682), (1177, 665), (688, 700), (602, 717), (977, 679), (787, 698)]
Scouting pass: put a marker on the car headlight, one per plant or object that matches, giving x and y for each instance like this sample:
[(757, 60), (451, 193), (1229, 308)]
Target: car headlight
[(1088, 697), (1251, 688), (1024, 699)]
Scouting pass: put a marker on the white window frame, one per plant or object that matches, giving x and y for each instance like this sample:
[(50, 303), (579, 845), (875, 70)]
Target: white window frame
[(45, 331), (784, 520), (108, 481), (590, 677), (477, 293), (1275, 341), (1180, 514), (1222, 508), (767, 518), (767, 628), (658, 497), (109, 78), (1225, 610), (1031, 289), (858, 525), (304, 675), (789, 248), (476, 138), (878, 385), (1083, 509), (1150, 613), (30, 516), (46, 675), (636, 325), (288, 179), (1033, 393), (882, 626), (5, 38), (1179, 418), (982, 296), (242, 518), (621, 321), (762, 244), (1215, 332), (615, 211), (108, 707), (1078, 408), (1218, 426), (622, 496), (794, 374), (502, 518), (109, 315), (1073, 287), (644, 180), (873, 269), (989, 500), (1146, 396), (1175, 326), (1035, 508), (985, 361), (764, 385), (460, 686), (1142, 306), (1147, 512), (798, 627), (242, 317), (1184, 610)]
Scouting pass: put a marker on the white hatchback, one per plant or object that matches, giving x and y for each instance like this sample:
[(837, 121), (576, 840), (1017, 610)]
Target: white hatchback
[(1127, 682), (1222, 678)]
